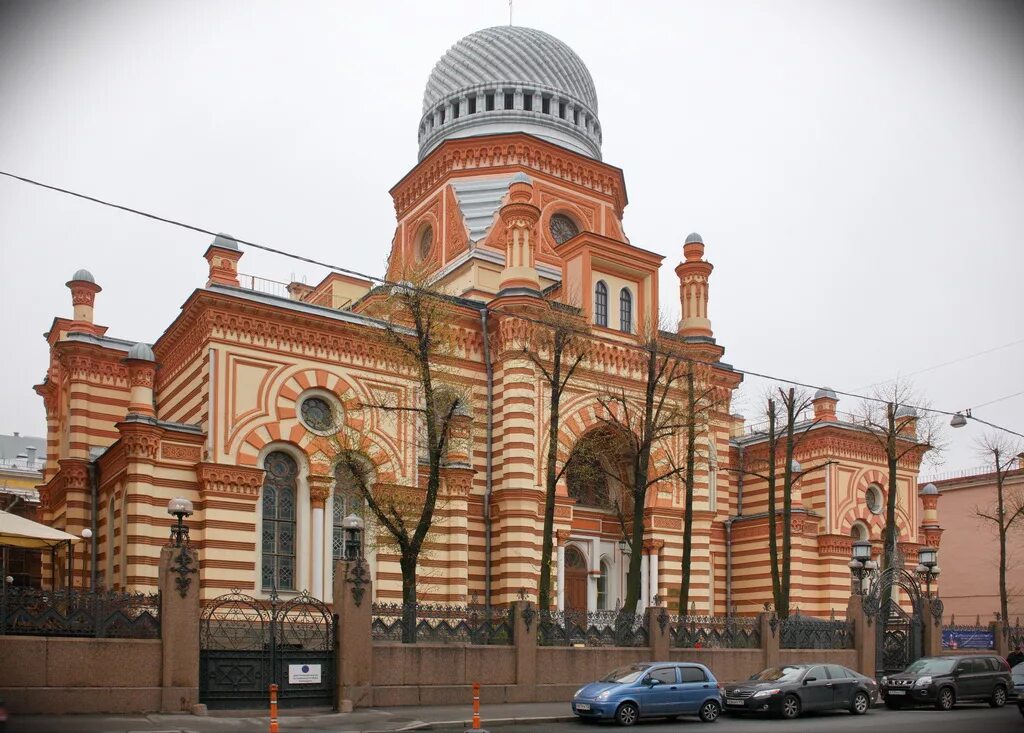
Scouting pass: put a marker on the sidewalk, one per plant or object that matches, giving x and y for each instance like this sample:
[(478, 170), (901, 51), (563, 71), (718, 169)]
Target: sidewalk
[(294, 721)]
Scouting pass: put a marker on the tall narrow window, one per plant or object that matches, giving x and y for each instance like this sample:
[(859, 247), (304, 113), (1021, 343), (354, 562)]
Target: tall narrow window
[(601, 304), (528, 102), (712, 475), (279, 490), (489, 101), (625, 311), (509, 100), (602, 588), (352, 473)]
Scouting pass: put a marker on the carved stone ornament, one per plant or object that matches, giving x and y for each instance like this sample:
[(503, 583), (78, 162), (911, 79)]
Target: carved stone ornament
[(663, 619), (773, 622), (358, 577), (184, 569), (937, 608)]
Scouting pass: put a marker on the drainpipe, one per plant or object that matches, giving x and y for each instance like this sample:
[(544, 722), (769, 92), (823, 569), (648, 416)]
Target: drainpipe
[(728, 568), (489, 457), (739, 482), (93, 471)]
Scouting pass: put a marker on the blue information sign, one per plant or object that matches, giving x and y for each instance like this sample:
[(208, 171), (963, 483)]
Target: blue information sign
[(967, 639)]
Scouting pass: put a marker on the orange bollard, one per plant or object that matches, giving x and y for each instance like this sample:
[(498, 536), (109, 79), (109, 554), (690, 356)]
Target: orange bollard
[(273, 709), (476, 706)]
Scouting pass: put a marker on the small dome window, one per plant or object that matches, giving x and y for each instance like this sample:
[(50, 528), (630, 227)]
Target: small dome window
[(562, 228), (426, 242)]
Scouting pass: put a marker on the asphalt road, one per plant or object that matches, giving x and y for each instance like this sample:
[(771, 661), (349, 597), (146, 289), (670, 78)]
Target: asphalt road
[(962, 719)]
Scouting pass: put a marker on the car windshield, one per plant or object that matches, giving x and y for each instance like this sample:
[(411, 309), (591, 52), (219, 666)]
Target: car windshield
[(778, 674), (625, 674), (931, 666)]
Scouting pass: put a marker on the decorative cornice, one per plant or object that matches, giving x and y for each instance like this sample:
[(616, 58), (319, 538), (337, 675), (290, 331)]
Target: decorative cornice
[(237, 481), (517, 151)]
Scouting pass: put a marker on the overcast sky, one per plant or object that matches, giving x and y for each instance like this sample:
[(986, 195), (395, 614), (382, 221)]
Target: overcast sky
[(855, 168)]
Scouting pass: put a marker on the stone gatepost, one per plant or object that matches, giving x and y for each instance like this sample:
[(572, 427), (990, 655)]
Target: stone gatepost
[(353, 601), (770, 629), (524, 636), (931, 632), (178, 580), (658, 633), (865, 637), (1000, 637)]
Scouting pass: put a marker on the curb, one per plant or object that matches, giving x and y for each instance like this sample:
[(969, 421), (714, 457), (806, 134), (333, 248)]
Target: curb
[(424, 725)]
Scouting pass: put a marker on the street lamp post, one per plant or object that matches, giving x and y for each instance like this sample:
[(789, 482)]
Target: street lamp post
[(861, 563), (86, 535), (352, 526), (179, 507), (928, 567)]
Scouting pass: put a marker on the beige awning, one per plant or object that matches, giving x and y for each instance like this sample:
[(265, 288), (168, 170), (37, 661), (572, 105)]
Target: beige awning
[(17, 531)]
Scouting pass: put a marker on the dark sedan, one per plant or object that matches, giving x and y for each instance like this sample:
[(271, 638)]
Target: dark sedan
[(791, 689)]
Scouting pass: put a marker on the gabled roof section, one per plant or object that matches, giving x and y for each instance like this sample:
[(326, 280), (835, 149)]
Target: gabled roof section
[(479, 201)]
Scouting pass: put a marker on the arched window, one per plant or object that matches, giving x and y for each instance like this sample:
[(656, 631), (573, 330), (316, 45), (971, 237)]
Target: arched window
[(601, 304), (859, 532), (625, 311), (562, 228), (602, 588), (353, 473), (279, 499)]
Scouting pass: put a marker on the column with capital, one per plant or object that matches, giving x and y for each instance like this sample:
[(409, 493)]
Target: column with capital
[(653, 548), (563, 538), (319, 490)]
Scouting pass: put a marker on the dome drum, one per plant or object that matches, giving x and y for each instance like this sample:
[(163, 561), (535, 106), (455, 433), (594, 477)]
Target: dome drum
[(511, 79)]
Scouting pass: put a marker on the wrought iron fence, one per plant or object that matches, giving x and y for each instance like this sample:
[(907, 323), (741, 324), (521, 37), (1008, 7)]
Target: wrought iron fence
[(473, 623), (711, 632), (967, 636), (1015, 634), (110, 614), (593, 628), (808, 632)]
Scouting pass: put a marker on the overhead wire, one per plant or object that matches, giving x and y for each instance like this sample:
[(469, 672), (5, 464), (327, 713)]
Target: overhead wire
[(385, 281)]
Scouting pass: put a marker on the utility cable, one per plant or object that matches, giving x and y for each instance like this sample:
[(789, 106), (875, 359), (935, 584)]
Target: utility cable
[(384, 281)]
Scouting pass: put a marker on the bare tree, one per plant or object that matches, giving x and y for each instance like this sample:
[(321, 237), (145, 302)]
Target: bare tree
[(790, 408), (1002, 452), (557, 345), (416, 325), (900, 428), (647, 423)]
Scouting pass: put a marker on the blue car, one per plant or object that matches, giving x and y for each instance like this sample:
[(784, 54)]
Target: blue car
[(651, 690)]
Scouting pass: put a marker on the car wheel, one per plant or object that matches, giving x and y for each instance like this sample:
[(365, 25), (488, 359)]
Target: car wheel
[(945, 700), (998, 698), (861, 703), (790, 707), (627, 714), (710, 711)]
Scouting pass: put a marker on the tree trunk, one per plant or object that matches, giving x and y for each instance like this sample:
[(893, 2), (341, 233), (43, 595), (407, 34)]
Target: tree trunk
[(787, 510), (408, 565), (544, 598), (691, 447), (1004, 605), (773, 540), (891, 535)]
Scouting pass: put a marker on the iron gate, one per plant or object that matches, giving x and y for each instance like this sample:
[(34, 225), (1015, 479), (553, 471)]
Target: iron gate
[(900, 642), (246, 644)]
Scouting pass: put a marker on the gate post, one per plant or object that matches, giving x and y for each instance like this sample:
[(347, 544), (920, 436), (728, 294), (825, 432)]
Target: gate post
[(770, 630), (526, 620), (178, 580), (931, 631), (865, 636), (353, 602)]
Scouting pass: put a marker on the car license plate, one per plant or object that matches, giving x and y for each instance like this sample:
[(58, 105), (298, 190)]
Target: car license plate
[(897, 692), (583, 706), (733, 701)]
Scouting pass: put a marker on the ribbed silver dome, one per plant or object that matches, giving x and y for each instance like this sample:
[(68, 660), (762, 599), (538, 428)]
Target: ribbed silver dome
[(551, 92), (141, 351)]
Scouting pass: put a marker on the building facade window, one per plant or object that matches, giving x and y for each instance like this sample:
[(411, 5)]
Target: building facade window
[(426, 242), (625, 311), (279, 502), (602, 588), (562, 228), (601, 304), (317, 413), (873, 498), (859, 532)]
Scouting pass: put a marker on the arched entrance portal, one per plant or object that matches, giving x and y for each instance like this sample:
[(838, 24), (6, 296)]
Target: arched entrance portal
[(575, 580)]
